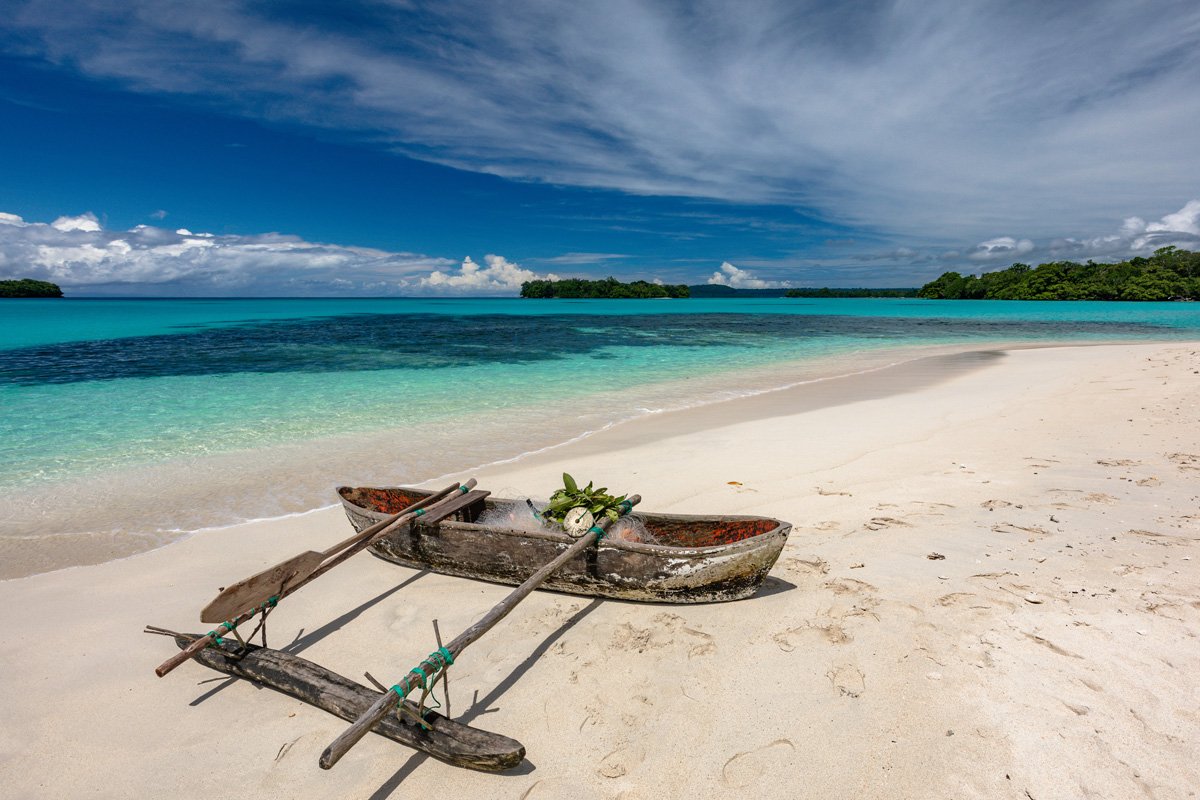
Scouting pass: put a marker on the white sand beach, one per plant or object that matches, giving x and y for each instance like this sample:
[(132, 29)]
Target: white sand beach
[(1052, 652)]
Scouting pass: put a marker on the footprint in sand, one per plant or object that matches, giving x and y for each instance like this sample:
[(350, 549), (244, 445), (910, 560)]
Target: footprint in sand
[(1008, 527), (954, 598), (850, 586), (827, 525), (744, 769), (1184, 460), (848, 680), (830, 631), (879, 523), (800, 566), (620, 761), (992, 505), (1118, 462)]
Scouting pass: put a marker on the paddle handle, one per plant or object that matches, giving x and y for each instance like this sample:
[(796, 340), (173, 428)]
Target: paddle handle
[(381, 707), (364, 539), (379, 526)]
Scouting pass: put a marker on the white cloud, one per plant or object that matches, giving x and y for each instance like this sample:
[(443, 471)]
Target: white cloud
[(500, 276), (729, 275), (1136, 237), (83, 258), (1000, 247), (160, 214), (963, 118), (84, 222)]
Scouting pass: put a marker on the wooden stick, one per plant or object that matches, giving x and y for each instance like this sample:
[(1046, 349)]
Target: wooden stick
[(380, 709), (255, 590), (368, 537)]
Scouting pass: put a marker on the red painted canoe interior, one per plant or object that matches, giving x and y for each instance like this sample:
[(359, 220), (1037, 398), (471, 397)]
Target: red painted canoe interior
[(677, 533)]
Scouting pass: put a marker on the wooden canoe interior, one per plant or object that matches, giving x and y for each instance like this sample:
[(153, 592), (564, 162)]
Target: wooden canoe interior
[(672, 532)]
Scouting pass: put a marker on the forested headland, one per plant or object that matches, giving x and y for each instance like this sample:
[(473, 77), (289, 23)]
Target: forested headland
[(607, 289), (27, 287), (1169, 274)]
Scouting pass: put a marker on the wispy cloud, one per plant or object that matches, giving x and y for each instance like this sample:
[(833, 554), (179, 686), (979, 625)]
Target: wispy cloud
[(960, 118), (582, 259), (79, 254)]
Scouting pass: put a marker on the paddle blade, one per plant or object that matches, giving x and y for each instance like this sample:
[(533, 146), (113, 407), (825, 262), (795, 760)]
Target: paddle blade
[(257, 589)]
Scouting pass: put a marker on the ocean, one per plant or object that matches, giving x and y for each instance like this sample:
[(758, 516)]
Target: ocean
[(126, 424)]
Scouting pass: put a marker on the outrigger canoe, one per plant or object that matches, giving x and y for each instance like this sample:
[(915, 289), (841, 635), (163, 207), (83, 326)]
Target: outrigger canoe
[(684, 559)]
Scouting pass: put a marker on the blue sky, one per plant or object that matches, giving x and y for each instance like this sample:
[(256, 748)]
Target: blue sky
[(397, 147)]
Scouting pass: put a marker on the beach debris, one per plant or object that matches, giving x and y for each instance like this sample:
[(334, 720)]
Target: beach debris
[(859, 565), (734, 483), (1033, 598), (936, 557)]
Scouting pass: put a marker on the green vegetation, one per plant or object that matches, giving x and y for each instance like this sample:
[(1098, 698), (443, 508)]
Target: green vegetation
[(608, 289), (596, 501), (827, 292), (27, 287), (1169, 274)]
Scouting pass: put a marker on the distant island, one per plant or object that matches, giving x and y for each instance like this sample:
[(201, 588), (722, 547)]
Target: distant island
[(27, 287), (613, 289), (608, 289), (1170, 274)]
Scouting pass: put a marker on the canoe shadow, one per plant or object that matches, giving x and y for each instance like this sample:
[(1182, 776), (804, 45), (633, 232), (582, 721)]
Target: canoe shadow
[(304, 641), (482, 705)]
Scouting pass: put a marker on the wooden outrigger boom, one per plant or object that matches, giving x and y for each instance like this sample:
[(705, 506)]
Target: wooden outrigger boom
[(440, 737)]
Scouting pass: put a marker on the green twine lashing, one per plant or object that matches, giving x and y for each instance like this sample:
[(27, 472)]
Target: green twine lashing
[(438, 661), (596, 529)]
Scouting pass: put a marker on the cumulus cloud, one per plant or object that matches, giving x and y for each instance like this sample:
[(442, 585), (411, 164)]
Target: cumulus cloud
[(966, 118), (84, 222), (1000, 247), (81, 256), (1135, 237), (500, 276), (729, 275)]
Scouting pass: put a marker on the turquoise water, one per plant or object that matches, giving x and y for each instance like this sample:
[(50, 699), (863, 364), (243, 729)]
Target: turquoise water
[(214, 411)]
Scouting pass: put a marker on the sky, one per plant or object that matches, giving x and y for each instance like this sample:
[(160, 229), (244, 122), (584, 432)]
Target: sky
[(397, 147)]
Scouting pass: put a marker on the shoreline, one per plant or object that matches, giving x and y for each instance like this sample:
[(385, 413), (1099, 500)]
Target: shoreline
[(1045, 653), (886, 370)]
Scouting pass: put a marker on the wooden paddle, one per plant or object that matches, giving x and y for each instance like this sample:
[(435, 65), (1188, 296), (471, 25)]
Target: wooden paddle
[(363, 540), (428, 668), (257, 589)]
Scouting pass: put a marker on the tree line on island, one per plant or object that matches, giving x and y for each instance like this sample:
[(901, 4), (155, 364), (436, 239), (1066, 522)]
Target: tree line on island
[(607, 289), (27, 287), (613, 289), (1169, 274)]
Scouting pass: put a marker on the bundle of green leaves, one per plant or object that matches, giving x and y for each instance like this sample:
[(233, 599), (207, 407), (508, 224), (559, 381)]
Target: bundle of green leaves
[(597, 501)]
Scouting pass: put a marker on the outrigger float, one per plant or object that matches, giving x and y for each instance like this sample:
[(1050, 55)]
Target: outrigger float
[(688, 560)]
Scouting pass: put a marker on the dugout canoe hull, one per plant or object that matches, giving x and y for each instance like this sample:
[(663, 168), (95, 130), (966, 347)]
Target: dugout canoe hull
[(710, 559), (446, 740)]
